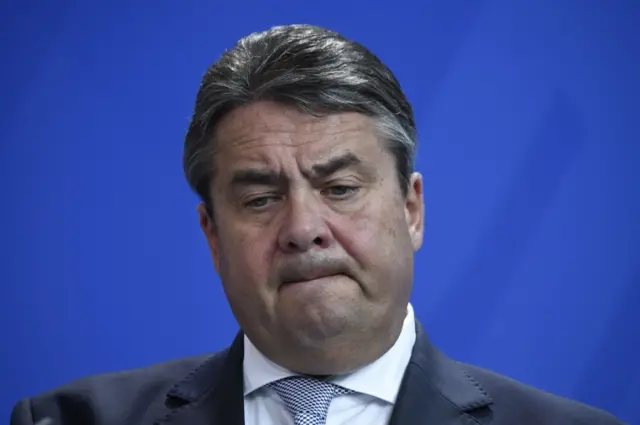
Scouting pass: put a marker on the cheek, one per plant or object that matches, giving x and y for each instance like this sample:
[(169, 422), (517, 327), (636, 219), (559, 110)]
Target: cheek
[(374, 236), (246, 257)]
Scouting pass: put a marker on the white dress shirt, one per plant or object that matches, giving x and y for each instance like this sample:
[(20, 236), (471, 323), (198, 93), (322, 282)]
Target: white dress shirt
[(375, 386)]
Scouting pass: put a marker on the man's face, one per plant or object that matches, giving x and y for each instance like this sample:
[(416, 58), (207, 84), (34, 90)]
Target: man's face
[(313, 239)]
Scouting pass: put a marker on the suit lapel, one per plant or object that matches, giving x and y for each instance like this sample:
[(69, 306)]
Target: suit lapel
[(212, 394), (435, 390)]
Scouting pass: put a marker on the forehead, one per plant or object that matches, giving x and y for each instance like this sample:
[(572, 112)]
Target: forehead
[(265, 131)]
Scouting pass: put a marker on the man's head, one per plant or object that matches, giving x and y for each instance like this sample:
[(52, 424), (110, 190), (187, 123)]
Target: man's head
[(301, 148)]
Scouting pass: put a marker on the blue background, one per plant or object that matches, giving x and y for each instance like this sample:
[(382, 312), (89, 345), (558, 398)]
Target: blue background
[(528, 113)]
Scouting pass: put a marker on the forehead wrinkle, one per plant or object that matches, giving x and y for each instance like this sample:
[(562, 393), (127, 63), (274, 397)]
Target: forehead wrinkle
[(288, 126), (247, 139), (270, 148), (284, 140)]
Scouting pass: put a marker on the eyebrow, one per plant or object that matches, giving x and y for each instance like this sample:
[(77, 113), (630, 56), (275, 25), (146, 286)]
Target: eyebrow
[(251, 177), (257, 178), (320, 171)]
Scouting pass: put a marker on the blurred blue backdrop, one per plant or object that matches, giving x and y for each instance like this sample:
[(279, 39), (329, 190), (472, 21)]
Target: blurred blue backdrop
[(528, 113)]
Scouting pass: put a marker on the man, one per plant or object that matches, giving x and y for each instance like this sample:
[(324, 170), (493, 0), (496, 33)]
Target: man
[(301, 148)]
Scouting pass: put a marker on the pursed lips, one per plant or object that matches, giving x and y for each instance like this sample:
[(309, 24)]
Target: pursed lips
[(308, 278)]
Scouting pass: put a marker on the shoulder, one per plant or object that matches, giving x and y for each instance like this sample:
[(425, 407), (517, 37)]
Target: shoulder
[(513, 399), (135, 394)]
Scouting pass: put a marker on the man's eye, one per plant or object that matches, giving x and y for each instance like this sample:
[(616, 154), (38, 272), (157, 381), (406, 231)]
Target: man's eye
[(341, 191), (258, 203)]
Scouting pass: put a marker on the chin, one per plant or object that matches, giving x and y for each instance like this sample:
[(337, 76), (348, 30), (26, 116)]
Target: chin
[(321, 352), (323, 327)]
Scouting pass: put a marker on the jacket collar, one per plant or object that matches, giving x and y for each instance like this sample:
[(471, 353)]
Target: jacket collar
[(211, 394), (435, 390)]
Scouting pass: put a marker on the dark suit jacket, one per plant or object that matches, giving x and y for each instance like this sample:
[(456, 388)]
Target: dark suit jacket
[(435, 390)]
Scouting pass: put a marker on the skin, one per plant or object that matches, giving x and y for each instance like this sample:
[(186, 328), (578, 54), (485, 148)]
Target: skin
[(311, 236)]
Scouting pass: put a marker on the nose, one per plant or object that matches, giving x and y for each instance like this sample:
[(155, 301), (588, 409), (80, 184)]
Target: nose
[(304, 227)]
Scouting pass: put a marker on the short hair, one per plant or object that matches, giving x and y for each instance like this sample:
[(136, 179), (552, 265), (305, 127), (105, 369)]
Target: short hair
[(314, 69)]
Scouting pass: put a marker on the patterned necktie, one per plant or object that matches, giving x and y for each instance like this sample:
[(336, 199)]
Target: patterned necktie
[(307, 399)]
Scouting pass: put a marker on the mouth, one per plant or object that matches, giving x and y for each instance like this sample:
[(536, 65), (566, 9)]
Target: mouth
[(310, 279)]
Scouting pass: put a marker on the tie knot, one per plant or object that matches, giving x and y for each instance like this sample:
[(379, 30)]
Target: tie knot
[(306, 398)]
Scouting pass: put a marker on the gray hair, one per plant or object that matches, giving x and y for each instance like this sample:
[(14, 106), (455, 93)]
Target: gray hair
[(315, 69)]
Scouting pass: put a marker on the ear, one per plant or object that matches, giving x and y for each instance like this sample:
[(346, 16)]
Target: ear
[(414, 210), (208, 226)]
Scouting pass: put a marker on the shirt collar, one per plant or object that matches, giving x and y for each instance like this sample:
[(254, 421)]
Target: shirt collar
[(380, 379)]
